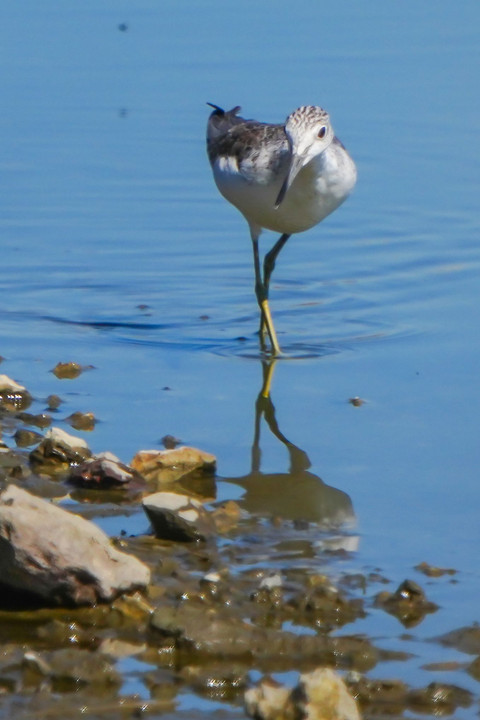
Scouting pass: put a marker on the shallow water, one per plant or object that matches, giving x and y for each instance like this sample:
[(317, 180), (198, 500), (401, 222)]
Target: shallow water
[(119, 253)]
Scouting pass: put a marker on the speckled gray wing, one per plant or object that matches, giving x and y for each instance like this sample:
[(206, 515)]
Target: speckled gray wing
[(245, 140)]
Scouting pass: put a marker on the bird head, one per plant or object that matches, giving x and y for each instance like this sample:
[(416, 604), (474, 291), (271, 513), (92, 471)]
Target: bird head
[(309, 133)]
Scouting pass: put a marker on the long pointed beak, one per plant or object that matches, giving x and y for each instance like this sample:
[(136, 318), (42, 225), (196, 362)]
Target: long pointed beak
[(296, 164)]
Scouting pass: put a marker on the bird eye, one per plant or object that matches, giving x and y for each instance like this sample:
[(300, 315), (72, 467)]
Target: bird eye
[(321, 132)]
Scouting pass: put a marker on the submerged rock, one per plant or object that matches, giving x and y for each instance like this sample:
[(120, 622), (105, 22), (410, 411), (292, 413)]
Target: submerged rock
[(322, 604), (54, 402), (226, 516), (166, 466), (69, 370), (356, 401), (474, 669), (41, 420), (178, 517), (69, 669), (465, 639), (393, 697), (433, 571), (60, 557), (170, 442), (439, 699), (82, 421), (25, 438), (408, 603), (12, 463), (381, 697), (208, 632), (217, 681)]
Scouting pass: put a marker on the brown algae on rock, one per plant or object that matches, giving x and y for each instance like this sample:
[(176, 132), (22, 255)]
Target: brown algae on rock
[(82, 421), (69, 370), (167, 466)]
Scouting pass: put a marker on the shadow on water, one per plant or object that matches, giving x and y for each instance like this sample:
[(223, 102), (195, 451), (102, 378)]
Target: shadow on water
[(295, 494)]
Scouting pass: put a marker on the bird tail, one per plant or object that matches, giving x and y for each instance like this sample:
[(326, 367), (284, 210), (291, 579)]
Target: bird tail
[(220, 121), (217, 108)]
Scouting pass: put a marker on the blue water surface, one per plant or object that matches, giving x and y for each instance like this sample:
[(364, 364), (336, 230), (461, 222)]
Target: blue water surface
[(118, 252)]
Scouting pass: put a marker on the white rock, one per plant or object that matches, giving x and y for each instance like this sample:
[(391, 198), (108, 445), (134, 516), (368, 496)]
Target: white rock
[(7, 383), (271, 582), (322, 695), (61, 557), (170, 501), (268, 701), (319, 695), (212, 577), (59, 436), (167, 466), (178, 517)]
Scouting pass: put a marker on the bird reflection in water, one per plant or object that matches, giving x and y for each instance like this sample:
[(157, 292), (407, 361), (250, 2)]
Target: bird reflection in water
[(296, 494)]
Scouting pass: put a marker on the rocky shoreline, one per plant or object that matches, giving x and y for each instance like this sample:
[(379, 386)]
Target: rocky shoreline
[(204, 598)]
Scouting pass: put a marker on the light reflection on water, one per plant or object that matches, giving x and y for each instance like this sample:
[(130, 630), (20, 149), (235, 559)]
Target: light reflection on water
[(118, 252)]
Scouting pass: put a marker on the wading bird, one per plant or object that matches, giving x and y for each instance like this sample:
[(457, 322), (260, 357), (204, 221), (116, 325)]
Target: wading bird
[(284, 178)]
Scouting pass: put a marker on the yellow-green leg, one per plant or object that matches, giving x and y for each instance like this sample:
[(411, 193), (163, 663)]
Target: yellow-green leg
[(268, 267), (262, 299)]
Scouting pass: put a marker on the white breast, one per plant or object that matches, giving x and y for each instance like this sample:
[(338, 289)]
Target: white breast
[(319, 188)]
